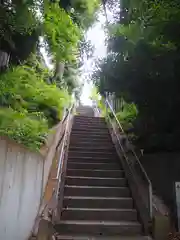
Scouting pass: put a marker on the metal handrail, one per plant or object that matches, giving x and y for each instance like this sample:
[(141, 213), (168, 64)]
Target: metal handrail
[(63, 120), (54, 195), (64, 134), (64, 141), (107, 104)]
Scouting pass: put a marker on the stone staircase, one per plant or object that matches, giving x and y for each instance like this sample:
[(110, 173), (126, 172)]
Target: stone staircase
[(97, 200), (85, 111)]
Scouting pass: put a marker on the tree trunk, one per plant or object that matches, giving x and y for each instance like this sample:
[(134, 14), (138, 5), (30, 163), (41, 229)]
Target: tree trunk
[(4, 60), (59, 70)]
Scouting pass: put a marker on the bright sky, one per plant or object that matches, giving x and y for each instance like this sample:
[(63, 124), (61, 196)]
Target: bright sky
[(97, 37)]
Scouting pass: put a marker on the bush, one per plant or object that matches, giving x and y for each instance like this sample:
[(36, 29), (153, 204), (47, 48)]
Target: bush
[(23, 128), (22, 88), (127, 116), (29, 106)]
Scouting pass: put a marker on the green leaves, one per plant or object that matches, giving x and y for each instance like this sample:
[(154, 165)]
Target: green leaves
[(29, 106), (83, 12), (23, 128), (128, 115), (142, 66), (61, 33)]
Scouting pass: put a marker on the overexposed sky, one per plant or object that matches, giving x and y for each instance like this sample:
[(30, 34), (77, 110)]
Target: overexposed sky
[(96, 35)]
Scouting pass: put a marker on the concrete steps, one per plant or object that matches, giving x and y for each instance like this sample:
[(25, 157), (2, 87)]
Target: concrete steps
[(97, 148), (86, 153), (95, 173), (74, 237), (98, 127), (88, 144), (87, 140), (101, 228), (93, 166), (91, 135), (85, 111), (90, 128), (90, 159), (100, 214), (97, 201), (98, 191), (89, 119), (95, 181)]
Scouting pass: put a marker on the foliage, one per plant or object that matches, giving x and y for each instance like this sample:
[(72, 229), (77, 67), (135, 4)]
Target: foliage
[(142, 66), (127, 116), (86, 50), (32, 98), (61, 34), (29, 130), (19, 28), (28, 100), (70, 77), (84, 13)]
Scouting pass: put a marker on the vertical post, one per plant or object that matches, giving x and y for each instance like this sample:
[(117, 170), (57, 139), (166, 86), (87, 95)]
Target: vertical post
[(177, 190), (106, 94)]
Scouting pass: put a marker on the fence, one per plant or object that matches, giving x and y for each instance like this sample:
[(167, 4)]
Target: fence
[(117, 103)]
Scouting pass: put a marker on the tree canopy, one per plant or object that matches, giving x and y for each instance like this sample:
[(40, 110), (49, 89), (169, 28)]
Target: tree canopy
[(142, 66), (33, 97)]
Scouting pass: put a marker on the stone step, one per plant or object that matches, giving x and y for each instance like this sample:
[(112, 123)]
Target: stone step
[(101, 228), (89, 141), (80, 237), (100, 148), (85, 111), (90, 127), (99, 214), (94, 191), (90, 124), (95, 154), (95, 173), (95, 144), (97, 202), (91, 136), (93, 166), (96, 126), (92, 181), (90, 131), (92, 160), (87, 119)]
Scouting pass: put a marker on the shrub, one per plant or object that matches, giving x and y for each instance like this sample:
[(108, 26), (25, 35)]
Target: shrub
[(23, 128), (127, 116), (29, 106)]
